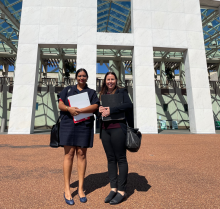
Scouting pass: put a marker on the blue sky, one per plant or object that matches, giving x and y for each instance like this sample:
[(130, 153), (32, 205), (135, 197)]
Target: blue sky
[(101, 69)]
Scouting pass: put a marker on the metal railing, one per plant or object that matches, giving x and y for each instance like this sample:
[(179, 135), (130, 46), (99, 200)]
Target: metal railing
[(214, 85), (170, 84)]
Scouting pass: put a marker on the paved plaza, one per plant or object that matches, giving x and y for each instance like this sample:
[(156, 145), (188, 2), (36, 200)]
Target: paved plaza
[(169, 171)]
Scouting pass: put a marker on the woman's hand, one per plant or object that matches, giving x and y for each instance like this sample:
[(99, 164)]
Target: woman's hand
[(78, 111), (101, 109), (73, 111), (106, 112)]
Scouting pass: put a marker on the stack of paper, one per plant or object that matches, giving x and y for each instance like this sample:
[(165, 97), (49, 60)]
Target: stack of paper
[(80, 101)]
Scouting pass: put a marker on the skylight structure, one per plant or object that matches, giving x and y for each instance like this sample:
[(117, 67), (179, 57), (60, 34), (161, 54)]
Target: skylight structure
[(211, 31), (114, 16), (10, 15)]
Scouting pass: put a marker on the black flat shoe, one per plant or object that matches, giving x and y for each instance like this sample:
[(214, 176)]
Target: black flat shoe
[(118, 199), (69, 202), (82, 199), (110, 196)]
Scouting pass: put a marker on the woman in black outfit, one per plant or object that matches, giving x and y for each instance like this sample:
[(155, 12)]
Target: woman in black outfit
[(113, 135), (76, 137)]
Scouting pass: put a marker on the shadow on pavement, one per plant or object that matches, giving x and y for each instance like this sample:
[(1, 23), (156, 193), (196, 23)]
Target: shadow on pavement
[(92, 182), (99, 180), (136, 182)]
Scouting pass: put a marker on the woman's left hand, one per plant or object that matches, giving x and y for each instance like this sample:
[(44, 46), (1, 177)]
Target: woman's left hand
[(106, 112), (78, 111)]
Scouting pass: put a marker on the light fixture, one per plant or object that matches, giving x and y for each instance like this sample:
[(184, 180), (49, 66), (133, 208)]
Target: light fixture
[(2, 16), (213, 43), (209, 25)]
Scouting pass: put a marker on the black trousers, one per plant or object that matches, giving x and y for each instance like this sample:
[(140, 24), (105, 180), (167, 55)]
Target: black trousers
[(113, 141)]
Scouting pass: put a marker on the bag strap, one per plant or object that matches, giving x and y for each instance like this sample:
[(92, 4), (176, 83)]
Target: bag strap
[(60, 118)]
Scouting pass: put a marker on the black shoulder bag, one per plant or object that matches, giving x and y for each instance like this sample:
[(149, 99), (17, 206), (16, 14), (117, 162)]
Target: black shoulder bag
[(54, 134), (133, 140)]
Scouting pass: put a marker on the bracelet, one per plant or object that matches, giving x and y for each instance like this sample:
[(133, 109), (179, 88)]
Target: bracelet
[(66, 108)]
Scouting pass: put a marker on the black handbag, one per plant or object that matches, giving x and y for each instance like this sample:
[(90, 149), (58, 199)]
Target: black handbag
[(54, 135), (133, 140)]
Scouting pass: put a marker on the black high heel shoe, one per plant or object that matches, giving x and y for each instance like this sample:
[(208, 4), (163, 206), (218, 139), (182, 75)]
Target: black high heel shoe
[(110, 196), (118, 199)]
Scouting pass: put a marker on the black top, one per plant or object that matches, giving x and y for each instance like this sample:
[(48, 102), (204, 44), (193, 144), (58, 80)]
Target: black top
[(126, 107), (79, 134)]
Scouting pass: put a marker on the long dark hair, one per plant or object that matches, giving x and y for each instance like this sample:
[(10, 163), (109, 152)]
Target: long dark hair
[(81, 70), (104, 88)]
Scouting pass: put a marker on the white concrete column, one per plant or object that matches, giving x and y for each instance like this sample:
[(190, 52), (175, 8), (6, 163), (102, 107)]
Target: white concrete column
[(114, 67), (5, 69), (25, 90), (122, 73), (145, 114), (198, 92), (118, 68), (14, 70), (182, 74), (40, 70), (60, 72), (163, 77), (87, 48), (45, 69), (86, 58), (218, 72), (5, 103)]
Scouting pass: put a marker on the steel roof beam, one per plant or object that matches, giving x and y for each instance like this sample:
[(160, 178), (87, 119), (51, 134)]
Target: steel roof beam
[(103, 4), (10, 5), (102, 16), (9, 15), (115, 10), (108, 15), (210, 51), (117, 18), (16, 12), (209, 18), (212, 37), (212, 29), (121, 6), (116, 24), (103, 10), (101, 27), (128, 23), (5, 29), (101, 22), (8, 42), (114, 29)]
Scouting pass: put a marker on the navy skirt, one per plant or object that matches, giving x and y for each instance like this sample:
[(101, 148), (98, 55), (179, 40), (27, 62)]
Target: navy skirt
[(77, 135)]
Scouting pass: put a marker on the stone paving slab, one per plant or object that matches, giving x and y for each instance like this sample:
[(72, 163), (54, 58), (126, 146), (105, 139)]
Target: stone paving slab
[(169, 171)]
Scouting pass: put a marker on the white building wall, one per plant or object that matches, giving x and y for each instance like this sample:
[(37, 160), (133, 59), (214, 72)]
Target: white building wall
[(156, 24)]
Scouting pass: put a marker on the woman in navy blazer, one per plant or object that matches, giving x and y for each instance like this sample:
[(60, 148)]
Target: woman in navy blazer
[(113, 135)]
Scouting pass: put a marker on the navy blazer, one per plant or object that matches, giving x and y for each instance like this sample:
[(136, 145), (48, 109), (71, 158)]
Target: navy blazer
[(126, 107), (72, 90)]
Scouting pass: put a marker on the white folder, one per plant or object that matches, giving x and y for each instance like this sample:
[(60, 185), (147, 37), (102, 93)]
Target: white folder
[(80, 101)]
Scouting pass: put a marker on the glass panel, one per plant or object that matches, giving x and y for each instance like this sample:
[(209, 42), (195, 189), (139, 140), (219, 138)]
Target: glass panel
[(114, 16)]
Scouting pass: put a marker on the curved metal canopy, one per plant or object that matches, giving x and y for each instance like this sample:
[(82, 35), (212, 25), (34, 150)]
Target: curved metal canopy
[(112, 16)]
